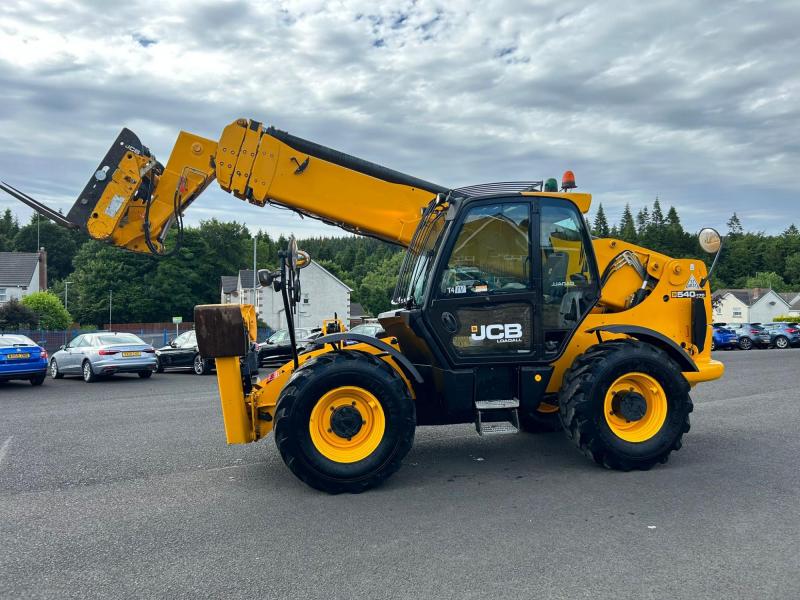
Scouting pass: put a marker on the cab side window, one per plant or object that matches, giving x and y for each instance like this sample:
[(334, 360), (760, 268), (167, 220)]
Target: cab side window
[(568, 282), (491, 253)]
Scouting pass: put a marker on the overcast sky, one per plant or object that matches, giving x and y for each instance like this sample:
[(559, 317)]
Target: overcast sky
[(696, 102)]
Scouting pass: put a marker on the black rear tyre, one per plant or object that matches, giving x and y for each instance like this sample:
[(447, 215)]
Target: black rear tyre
[(89, 375), (145, 374), (38, 379), (586, 394), (299, 419), (745, 343), (781, 342)]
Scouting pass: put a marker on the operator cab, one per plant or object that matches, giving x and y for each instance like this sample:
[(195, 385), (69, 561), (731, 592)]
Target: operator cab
[(493, 284)]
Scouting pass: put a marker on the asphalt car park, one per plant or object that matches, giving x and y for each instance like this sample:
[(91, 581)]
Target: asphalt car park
[(126, 488)]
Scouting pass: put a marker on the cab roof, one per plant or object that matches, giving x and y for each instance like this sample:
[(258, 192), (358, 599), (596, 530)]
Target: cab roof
[(525, 188)]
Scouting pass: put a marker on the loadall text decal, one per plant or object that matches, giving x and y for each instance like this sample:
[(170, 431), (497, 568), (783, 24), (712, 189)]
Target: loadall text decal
[(499, 332)]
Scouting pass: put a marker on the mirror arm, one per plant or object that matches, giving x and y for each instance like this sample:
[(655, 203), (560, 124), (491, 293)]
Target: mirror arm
[(714, 263)]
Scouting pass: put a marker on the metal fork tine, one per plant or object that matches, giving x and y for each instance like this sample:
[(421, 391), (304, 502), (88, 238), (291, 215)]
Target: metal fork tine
[(42, 209)]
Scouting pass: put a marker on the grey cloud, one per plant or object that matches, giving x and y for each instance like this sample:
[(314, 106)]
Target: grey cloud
[(696, 103)]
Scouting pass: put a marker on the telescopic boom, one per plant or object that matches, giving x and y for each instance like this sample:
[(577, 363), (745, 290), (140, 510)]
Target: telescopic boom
[(132, 200)]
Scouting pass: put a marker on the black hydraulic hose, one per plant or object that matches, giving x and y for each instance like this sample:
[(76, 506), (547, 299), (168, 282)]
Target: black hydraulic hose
[(353, 162)]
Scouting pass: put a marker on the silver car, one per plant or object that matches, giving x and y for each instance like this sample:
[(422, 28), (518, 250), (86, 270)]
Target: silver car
[(93, 355)]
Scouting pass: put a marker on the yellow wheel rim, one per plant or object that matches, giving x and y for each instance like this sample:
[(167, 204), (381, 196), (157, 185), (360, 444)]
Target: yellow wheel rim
[(339, 405), (655, 414)]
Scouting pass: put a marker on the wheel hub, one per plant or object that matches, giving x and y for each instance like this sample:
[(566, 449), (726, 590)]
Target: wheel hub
[(631, 406), (346, 421)]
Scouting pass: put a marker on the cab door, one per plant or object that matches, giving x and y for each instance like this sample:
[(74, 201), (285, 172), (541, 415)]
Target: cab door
[(485, 291)]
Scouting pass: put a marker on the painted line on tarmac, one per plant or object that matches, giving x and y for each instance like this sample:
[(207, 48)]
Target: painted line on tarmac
[(4, 449)]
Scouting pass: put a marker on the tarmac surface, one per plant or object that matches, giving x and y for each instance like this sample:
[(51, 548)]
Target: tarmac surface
[(126, 488)]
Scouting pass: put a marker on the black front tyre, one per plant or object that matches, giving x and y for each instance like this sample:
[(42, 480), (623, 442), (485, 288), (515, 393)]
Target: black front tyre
[(625, 404), (344, 422), (38, 379)]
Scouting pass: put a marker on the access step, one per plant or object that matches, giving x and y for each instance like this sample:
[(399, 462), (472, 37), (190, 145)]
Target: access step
[(497, 417)]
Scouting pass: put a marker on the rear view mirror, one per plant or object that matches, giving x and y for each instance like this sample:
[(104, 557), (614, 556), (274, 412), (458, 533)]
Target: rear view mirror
[(62, 347), (710, 240), (303, 259)]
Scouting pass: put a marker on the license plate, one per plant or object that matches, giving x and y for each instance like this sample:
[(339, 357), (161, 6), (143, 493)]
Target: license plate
[(14, 356), (130, 354)]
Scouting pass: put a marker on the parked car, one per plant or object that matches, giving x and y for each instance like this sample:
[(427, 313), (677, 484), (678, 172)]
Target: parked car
[(370, 329), (182, 353), (93, 355), (783, 335), (751, 335), (22, 358), (723, 337), (277, 349)]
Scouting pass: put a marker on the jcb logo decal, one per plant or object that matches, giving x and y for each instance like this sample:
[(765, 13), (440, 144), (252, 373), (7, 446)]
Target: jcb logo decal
[(496, 331)]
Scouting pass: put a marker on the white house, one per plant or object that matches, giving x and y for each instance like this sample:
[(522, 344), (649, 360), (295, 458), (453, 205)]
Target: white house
[(757, 305), (22, 273), (323, 295), (240, 289)]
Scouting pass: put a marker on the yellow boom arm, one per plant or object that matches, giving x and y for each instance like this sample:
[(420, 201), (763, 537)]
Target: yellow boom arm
[(132, 200)]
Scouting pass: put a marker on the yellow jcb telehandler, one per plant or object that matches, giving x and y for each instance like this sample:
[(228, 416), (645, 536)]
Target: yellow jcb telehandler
[(508, 313)]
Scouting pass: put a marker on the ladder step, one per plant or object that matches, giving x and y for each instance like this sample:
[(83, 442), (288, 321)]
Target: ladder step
[(496, 404), (497, 428)]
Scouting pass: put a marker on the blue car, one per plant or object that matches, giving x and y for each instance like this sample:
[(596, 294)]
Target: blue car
[(22, 358), (723, 338)]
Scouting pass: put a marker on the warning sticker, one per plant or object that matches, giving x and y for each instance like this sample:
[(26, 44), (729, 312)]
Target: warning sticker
[(692, 283)]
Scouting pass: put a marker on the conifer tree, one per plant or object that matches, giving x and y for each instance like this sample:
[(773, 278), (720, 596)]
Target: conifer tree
[(642, 221), (600, 227), (734, 225), (627, 228)]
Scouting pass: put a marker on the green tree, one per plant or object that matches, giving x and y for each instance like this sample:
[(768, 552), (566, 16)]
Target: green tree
[(61, 245), (50, 313), (734, 225), (15, 315), (642, 221), (627, 228), (600, 227), (376, 288), (793, 269), (657, 216), (8, 229), (767, 279)]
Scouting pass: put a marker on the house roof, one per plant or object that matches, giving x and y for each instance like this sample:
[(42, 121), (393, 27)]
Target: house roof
[(229, 283), (357, 311), (750, 296), (248, 278), (17, 268), (792, 299), (331, 275)]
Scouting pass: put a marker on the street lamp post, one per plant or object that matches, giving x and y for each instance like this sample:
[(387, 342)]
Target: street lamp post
[(66, 294)]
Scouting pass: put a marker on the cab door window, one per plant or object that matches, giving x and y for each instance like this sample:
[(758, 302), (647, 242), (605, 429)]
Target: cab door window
[(569, 285), (491, 253)]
